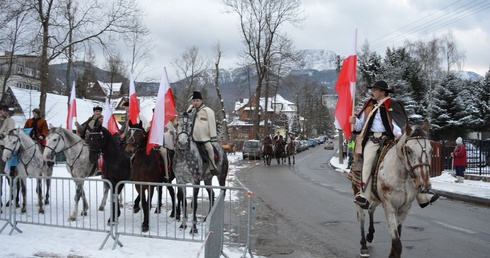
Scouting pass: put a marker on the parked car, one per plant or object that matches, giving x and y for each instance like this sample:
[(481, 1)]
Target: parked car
[(299, 147), (305, 145), (252, 149), (328, 144), (312, 143)]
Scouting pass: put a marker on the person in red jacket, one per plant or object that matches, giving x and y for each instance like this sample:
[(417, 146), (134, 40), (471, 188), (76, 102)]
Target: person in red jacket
[(459, 159)]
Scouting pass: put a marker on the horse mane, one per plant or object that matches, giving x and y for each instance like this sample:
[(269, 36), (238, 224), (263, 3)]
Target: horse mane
[(418, 131), (69, 136)]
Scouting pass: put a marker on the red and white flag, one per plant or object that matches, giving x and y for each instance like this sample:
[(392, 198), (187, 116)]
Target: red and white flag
[(109, 120), (164, 112), (72, 109), (134, 108), (345, 88)]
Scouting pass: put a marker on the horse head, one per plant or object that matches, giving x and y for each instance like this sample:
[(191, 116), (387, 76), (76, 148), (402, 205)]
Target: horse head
[(11, 145), (415, 150), (184, 128), (96, 142), (55, 143), (135, 138)]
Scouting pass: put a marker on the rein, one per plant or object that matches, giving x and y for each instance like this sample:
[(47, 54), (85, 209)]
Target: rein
[(424, 153), (21, 149)]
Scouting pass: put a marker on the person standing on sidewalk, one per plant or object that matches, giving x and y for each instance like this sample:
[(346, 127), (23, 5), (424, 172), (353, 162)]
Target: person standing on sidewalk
[(459, 159)]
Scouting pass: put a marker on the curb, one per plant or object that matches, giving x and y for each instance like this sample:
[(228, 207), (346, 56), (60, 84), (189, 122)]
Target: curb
[(464, 198)]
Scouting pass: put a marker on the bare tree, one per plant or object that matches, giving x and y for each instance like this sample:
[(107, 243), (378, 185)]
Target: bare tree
[(140, 46), (190, 67), (217, 52), (260, 24), (99, 22), (116, 68), (453, 55)]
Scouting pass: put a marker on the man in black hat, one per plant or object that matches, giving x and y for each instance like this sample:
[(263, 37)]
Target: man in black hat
[(95, 120), (380, 118), (204, 127)]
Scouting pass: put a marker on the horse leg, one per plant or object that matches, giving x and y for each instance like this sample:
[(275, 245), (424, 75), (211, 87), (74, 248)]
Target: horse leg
[(194, 211), (22, 188), (48, 188), (158, 210), (78, 194), (104, 197), (39, 191), (136, 206), (182, 200), (364, 252), (370, 235), (145, 203), (391, 219), (171, 191)]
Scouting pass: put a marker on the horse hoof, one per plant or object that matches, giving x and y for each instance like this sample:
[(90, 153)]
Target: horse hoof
[(369, 238), (46, 202), (23, 210), (101, 208), (158, 211), (193, 231), (136, 210), (41, 211), (84, 213), (72, 218), (364, 252), (144, 228), (172, 214)]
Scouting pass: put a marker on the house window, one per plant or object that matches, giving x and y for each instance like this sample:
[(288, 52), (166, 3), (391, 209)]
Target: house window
[(20, 69)]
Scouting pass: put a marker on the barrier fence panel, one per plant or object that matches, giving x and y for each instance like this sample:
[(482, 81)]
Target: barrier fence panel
[(234, 221), (62, 211), (232, 225), (5, 194), (214, 228)]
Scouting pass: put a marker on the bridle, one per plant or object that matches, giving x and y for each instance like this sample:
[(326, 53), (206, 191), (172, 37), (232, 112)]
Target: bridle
[(422, 142), (134, 136), (54, 152), (18, 147), (184, 126)]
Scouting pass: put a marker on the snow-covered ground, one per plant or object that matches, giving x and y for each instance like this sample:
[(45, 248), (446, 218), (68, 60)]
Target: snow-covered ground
[(42, 241)]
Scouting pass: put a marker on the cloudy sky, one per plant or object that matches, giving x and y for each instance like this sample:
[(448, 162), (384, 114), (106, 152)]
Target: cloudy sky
[(176, 25)]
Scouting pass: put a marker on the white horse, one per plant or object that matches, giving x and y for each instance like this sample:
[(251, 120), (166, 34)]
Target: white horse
[(77, 161), (403, 173), (189, 167), (30, 162)]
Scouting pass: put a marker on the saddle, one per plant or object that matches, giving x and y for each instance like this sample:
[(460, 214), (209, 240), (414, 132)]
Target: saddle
[(356, 168)]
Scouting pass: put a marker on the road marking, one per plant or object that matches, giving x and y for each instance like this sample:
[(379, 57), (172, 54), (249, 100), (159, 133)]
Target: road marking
[(457, 228)]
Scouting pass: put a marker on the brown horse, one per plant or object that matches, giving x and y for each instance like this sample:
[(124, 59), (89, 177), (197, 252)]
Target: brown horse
[(268, 151), (290, 151), (403, 173), (147, 168), (279, 151)]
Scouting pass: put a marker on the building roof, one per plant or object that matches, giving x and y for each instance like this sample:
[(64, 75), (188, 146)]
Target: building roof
[(281, 103)]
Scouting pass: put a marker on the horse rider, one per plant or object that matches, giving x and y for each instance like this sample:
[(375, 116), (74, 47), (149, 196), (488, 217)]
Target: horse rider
[(167, 150), (95, 120), (6, 124), (39, 127), (289, 139), (380, 118), (204, 127)]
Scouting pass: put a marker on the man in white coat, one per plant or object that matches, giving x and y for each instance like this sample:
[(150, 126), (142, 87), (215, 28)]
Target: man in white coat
[(204, 127)]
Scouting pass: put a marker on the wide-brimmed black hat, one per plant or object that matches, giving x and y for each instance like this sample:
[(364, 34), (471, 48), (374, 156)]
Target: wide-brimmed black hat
[(382, 85), (97, 108), (196, 95)]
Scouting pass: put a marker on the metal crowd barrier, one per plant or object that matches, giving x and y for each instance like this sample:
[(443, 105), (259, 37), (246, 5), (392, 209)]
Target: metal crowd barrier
[(227, 223), (5, 196)]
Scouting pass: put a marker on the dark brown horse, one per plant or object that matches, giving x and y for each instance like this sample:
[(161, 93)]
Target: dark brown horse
[(268, 151), (147, 168), (116, 165), (279, 151)]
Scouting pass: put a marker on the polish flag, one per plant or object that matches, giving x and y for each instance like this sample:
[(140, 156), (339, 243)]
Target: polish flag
[(109, 120), (72, 109), (134, 109), (164, 112), (345, 88)]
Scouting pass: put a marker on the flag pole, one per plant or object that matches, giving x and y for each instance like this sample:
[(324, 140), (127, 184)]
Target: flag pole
[(355, 83)]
